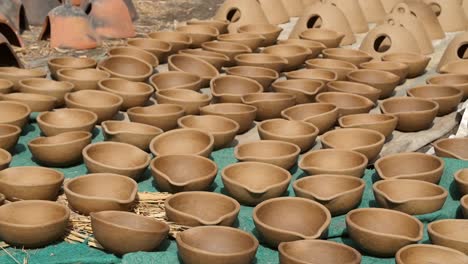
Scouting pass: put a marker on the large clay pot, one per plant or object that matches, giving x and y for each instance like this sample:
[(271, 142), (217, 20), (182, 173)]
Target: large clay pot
[(14, 11), (36, 11), (455, 51), (429, 19), (450, 14), (353, 12), (274, 11), (373, 10), (241, 12)]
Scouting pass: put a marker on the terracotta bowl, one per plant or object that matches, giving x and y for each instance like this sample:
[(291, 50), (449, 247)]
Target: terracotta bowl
[(330, 38), (341, 68), (30, 183), (220, 25), (61, 150), (15, 75), (126, 67), (104, 104), (66, 120), (385, 81), (361, 89), (201, 208), (157, 47), (455, 148), (382, 232), (47, 87), (138, 53), (353, 56), (338, 193), (242, 114), (279, 153), (199, 33), (6, 86), (163, 116), (140, 233), (9, 135), (83, 79), (295, 54), (191, 101), (321, 115), (447, 97), (411, 166), (449, 233), (178, 40), (321, 251), (334, 161), (132, 93), (414, 114), (56, 64), (33, 224), (230, 49), (455, 67), (313, 74), (459, 81), (417, 63), (461, 179), (464, 206), (383, 123), (216, 245), (35, 102), (398, 68), (100, 192), (230, 89), (315, 47), (304, 90), (348, 104), (290, 218), (136, 134), (301, 133), (414, 254), (251, 183), (218, 60), (14, 113), (269, 105), (264, 60), (268, 31), (115, 157), (263, 76), (5, 159), (185, 63), (183, 141), (251, 40), (176, 80)]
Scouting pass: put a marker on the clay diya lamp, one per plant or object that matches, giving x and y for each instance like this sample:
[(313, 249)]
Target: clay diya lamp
[(6, 86), (361, 89), (5, 159), (348, 104), (275, 152), (230, 49), (136, 134), (310, 251), (417, 63), (461, 179), (459, 81), (264, 60), (251, 182), (268, 31), (329, 38), (410, 196), (223, 129), (199, 34), (269, 105), (83, 79), (341, 68), (33, 224), (464, 206), (233, 245), (338, 193), (163, 116), (411, 166), (355, 57), (314, 47), (385, 81), (14, 113), (321, 115), (104, 104), (242, 114), (178, 40), (414, 254), (447, 97), (414, 114), (454, 67), (191, 101), (301, 133), (133, 94), (30, 183), (35, 102), (251, 40), (66, 120), (190, 64), (138, 53), (398, 68), (201, 208), (61, 150), (15, 75), (126, 67), (313, 74), (334, 161), (290, 218), (140, 233), (47, 87), (183, 141), (449, 233), (218, 60), (295, 54), (304, 90), (263, 76), (220, 25), (157, 47), (9, 135), (230, 89), (382, 232), (100, 192), (383, 123), (175, 80), (455, 148), (59, 63)]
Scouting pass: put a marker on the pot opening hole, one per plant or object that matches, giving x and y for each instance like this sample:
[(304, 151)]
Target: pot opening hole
[(436, 8), (24, 25), (314, 22), (7, 57), (88, 8), (413, 14), (233, 15), (462, 51), (46, 32), (382, 43), (9, 34)]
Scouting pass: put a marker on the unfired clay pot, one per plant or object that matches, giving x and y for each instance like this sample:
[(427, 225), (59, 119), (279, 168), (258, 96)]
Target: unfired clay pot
[(14, 113), (163, 116), (274, 11), (56, 89), (59, 63), (126, 67), (348, 104), (66, 120), (138, 53), (398, 68), (461, 179), (309, 251), (295, 54), (322, 75), (35, 102), (334, 161), (417, 63), (341, 68), (158, 48), (184, 63), (448, 233), (104, 104), (228, 49), (315, 47), (191, 101), (242, 114), (132, 93), (268, 31), (459, 81), (251, 40), (218, 60), (178, 40), (264, 76), (446, 97), (321, 115), (450, 14), (136, 134), (464, 206), (454, 67), (83, 79), (183, 141), (269, 105), (199, 34), (220, 24), (230, 89), (275, 152), (269, 61), (383, 123), (373, 10), (361, 89), (329, 38), (414, 254), (9, 135), (353, 13), (452, 148), (176, 80), (355, 57), (6, 86), (304, 90), (385, 81)]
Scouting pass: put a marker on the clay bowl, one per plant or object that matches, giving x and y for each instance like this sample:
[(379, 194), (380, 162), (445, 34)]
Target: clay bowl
[(383, 123), (199, 34), (455, 148), (175, 80), (461, 179), (410, 196), (191, 101), (138, 53), (348, 104), (301, 133), (157, 47), (9, 135), (61, 150), (230, 49), (295, 54), (242, 114), (140, 233), (163, 116), (353, 56), (100, 192), (414, 114), (6, 86), (47, 87), (361, 89), (104, 104), (126, 67), (132, 93), (230, 88), (178, 40), (35, 102), (411, 166), (417, 63), (290, 218), (268, 31), (279, 153), (269, 105), (216, 245), (338, 193), (66, 120), (382, 232), (201, 208), (30, 183), (459, 81), (14, 113), (464, 206), (414, 254), (5, 159), (320, 251), (83, 79), (385, 81), (15, 75), (56, 64), (341, 68), (185, 63), (304, 90), (136, 134), (251, 182), (220, 25), (33, 224), (334, 161), (398, 68), (315, 47), (313, 74), (263, 76), (183, 141), (218, 60), (221, 128), (329, 38), (264, 60), (447, 97), (454, 67), (321, 115), (116, 157), (449, 233), (251, 40)]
